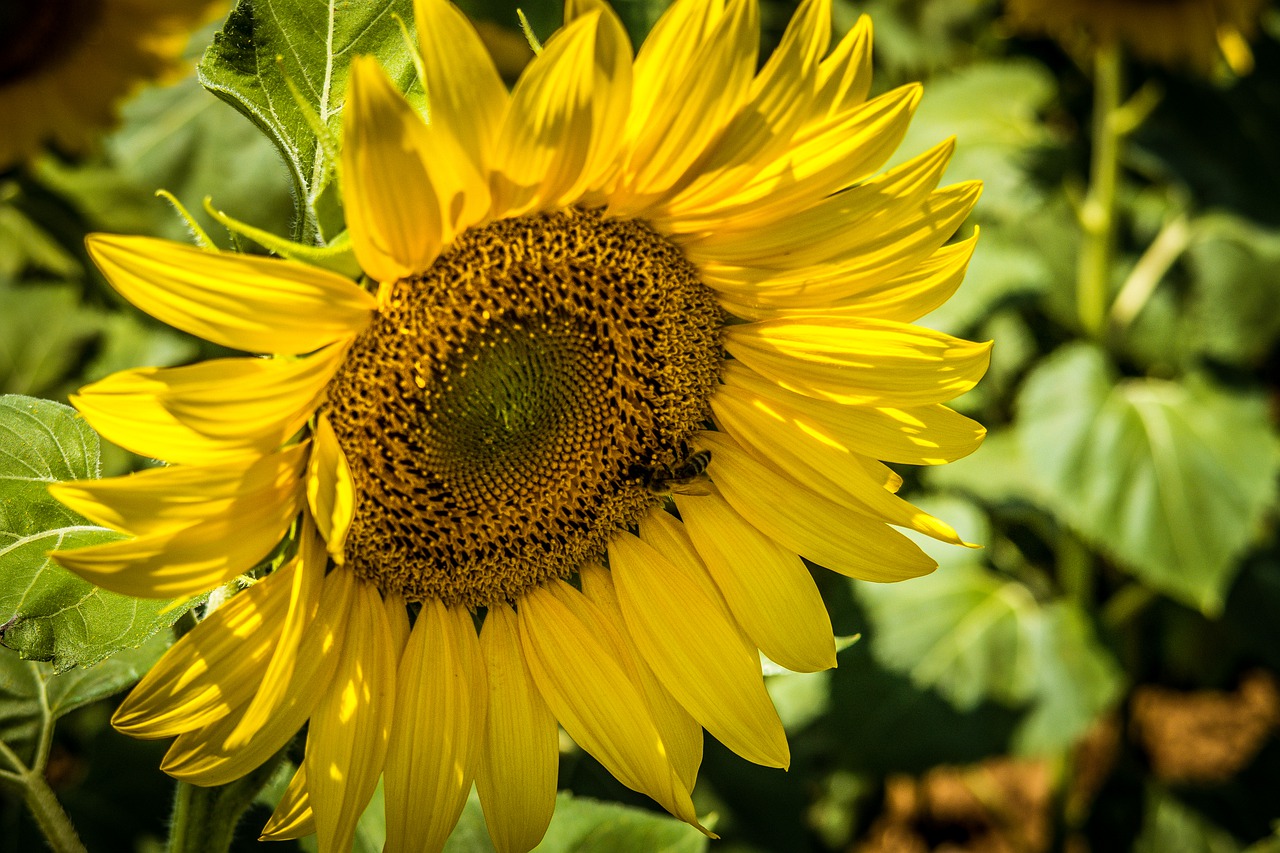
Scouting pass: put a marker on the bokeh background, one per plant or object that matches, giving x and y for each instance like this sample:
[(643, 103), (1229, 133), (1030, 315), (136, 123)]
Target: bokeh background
[(1101, 675)]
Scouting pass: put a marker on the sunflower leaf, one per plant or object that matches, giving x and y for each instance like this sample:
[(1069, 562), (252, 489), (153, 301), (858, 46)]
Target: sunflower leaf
[(267, 45), (46, 612), (1170, 479)]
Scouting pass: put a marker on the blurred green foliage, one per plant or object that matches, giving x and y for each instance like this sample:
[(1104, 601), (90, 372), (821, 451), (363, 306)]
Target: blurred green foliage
[(1125, 497)]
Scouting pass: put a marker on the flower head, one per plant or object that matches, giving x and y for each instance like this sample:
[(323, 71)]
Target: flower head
[(629, 288), (66, 64)]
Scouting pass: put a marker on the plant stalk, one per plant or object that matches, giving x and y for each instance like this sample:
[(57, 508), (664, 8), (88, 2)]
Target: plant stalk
[(1098, 215)]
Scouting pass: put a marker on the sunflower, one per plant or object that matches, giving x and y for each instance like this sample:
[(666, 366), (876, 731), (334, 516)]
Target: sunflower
[(1173, 33), (66, 64), (636, 339)]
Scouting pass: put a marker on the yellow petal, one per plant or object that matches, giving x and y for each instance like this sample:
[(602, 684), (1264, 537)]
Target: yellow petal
[(240, 301), (331, 491), (189, 560), (398, 621), (767, 587), (687, 90), (293, 817), (464, 90), (214, 668), (921, 435), (855, 361), (304, 600), (201, 756), (565, 124), (160, 500), (347, 738), (439, 720), (844, 78), (241, 405), (396, 218), (681, 733), (817, 529), (817, 461), (595, 701), (519, 755), (695, 649)]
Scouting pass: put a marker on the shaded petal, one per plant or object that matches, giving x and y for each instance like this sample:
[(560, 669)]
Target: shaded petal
[(292, 817), (350, 725), (519, 756), (240, 405), (795, 444), (681, 733), (464, 90), (304, 601), (817, 529), (214, 668), (439, 724), (565, 124), (164, 500), (697, 652), (767, 587), (240, 301), (201, 757), (855, 361), (844, 78), (921, 435), (193, 559), (331, 490), (590, 693)]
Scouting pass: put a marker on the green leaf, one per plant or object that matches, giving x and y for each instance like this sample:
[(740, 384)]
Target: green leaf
[(995, 474), (31, 692), (265, 44), (36, 363), (1168, 826), (1234, 316), (48, 613), (1169, 479)]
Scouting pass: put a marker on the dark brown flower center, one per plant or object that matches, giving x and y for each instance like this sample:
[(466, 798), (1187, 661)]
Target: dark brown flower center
[(36, 34), (495, 413)]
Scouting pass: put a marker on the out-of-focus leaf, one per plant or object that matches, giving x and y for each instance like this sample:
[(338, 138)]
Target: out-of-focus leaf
[(1168, 826), (31, 692), (265, 43), (24, 244), (993, 109), (1235, 307), (47, 613), (127, 342), (1002, 269), (995, 474), (35, 362), (1077, 679), (1170, 479)]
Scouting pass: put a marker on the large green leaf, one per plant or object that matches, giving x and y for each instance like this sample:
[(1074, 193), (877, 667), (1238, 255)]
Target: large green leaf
[(267, 44), (46, 612), (1235, 310), (37, 363), (1169, 826), (1170, 479)]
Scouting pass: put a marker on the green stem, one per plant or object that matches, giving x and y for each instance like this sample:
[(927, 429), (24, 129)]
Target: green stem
[(1098, 216), (52, 820), (205, 819)]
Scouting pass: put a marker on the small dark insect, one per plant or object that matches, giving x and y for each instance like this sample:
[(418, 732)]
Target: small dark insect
[(683, 477)]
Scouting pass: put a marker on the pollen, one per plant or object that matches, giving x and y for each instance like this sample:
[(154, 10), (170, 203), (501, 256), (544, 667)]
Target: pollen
[(496, 411)]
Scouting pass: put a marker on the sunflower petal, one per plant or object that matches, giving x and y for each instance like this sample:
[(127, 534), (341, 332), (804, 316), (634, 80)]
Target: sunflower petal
[(331, 490), (304, 601), (591, 695), (844, 78), (201, 756), (817, 529), (164, 500), (347, 738), (921, 435), (767, 587), (439, 719), (855, 361), (519, 756), (681, 733), (240, 301), (697, 652), (214, 668), (565, 124), (292, 817)]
